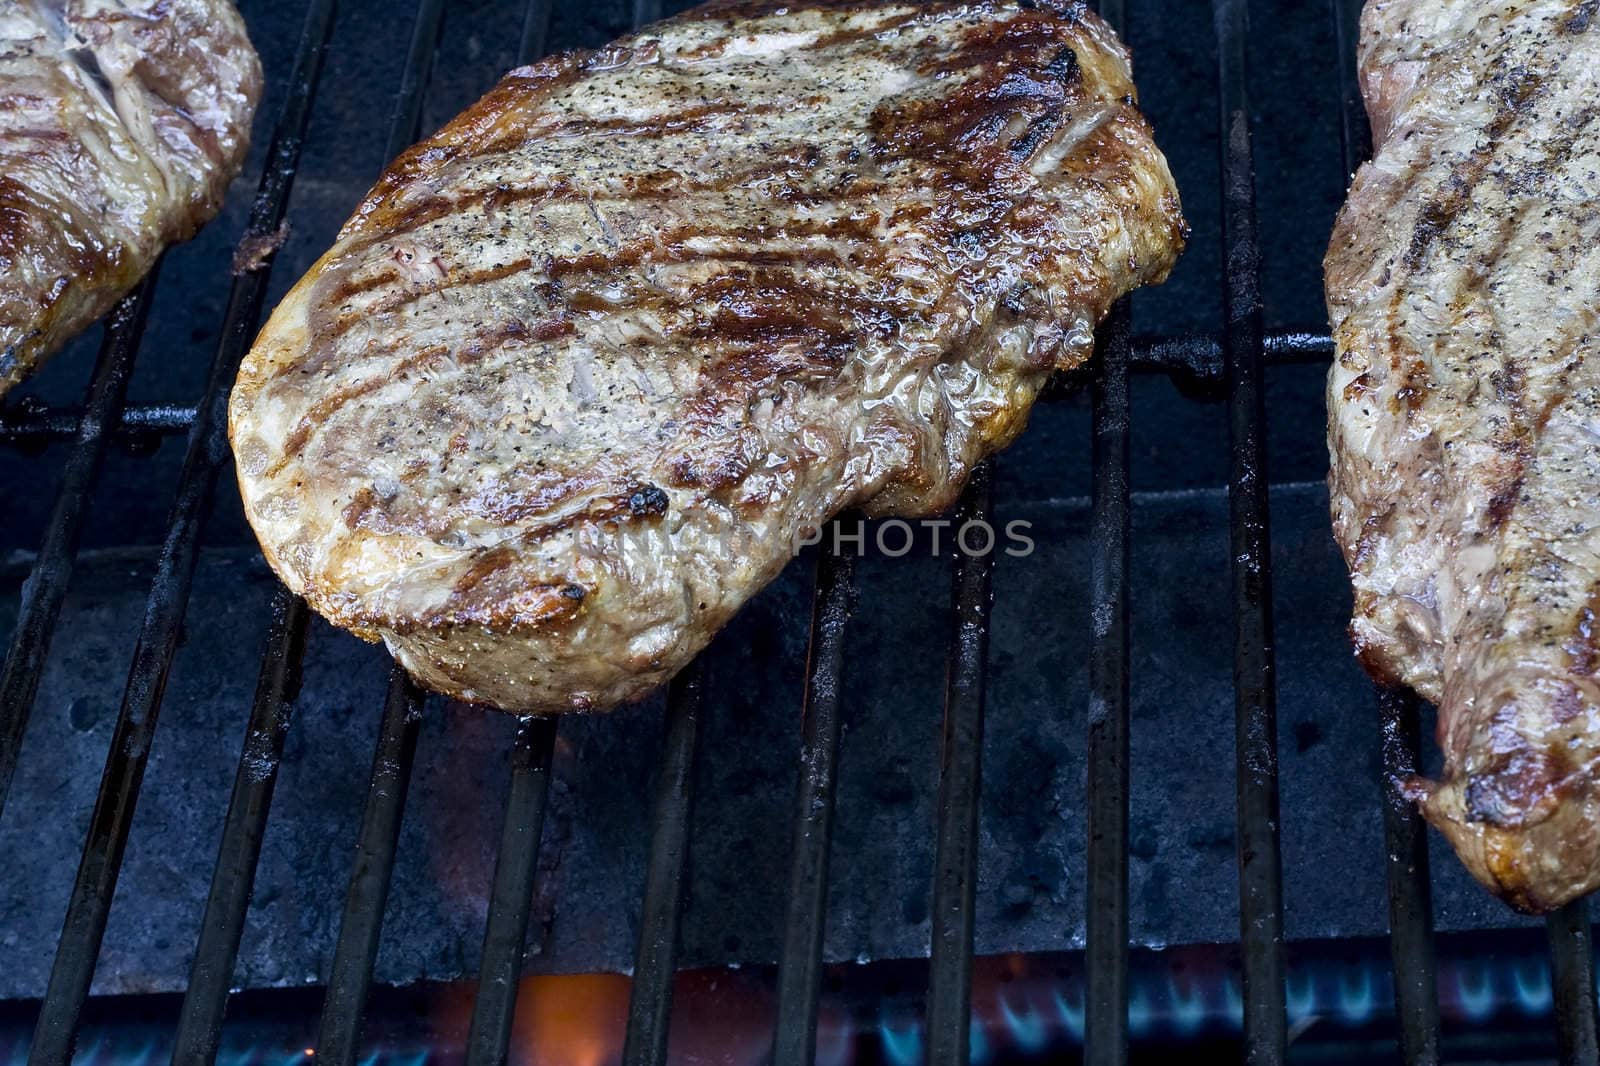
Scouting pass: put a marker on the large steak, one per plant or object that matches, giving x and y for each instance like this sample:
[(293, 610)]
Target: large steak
[(1464, 284), (585, 366)]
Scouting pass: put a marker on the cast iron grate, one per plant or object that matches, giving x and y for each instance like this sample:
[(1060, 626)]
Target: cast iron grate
[(1233, 362)]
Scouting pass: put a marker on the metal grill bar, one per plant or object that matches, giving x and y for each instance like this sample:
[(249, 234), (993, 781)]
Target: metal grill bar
[(650, 1004), (31, 426), (1410, 893), (211, 974), (800, 969), (46, 587), (109, 825), (1355, 135), (1106, 900), (1106, 1003), (1256, 730), (956, 857), (1572, 981), (511, 898), (350, 979)]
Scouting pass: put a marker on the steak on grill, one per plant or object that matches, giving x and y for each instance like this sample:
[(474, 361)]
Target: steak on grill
[(585, 366), (1463, 282), (121, 124)]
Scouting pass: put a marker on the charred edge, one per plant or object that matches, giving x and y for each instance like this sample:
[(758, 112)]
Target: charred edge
[(317, 416)]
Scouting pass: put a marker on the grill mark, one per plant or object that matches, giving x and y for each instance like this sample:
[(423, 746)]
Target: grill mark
[(1444, 208), (526, 609), (412, 293), (770, 307), (662, 185), (1022, 73), (520, 92), (1434, 221), (348, 288), (317, 415), (671, 247), (1511, 390), (1440, 213), (689, 120), (48, 135), (493, 339)]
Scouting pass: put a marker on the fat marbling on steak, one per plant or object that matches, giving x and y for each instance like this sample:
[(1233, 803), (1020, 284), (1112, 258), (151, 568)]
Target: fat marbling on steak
[(1464, 284), (584, 367), (121, 124)]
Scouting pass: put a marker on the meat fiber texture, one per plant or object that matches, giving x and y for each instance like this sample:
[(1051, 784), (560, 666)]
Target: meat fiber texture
[(587, 365), (1464, 417), (121, 124)]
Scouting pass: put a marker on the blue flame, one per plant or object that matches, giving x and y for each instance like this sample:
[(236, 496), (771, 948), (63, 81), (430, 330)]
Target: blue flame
[(1232, 1002), (901, 1046), (1533, 987), (1476, 997), (243, 1058), (1300, 997), (1071, 1016), (1188, 1009), (1356, 998), (371, 1060), (1027, 1026), (977, 1044), (1139, 1013)]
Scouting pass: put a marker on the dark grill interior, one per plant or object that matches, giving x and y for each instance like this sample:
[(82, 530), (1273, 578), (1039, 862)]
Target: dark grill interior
[(1063, 905)]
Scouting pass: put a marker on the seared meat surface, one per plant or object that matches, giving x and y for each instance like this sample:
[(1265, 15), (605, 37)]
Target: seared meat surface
[(1464, 283), (121, 124), (585, 366)]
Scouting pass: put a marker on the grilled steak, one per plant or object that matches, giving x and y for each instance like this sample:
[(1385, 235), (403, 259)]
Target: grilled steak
[(1463, 284), (121, 124), (584, 367)]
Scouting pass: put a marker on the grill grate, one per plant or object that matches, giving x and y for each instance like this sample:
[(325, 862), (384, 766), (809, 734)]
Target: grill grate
[(1233, 362)]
